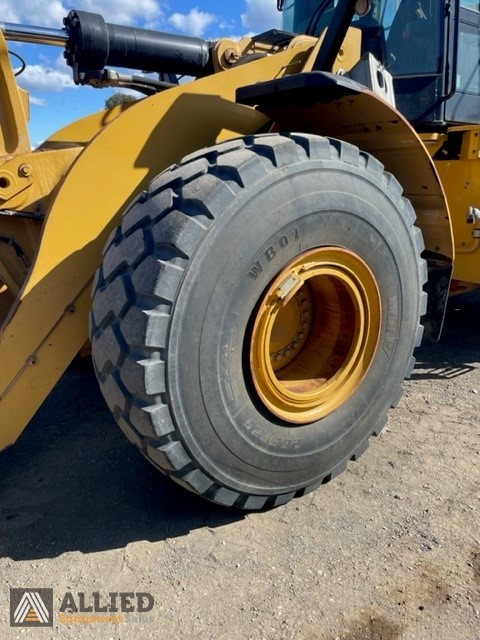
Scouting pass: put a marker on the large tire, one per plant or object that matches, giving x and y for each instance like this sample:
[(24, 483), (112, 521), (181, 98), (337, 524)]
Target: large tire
[(189, 291)]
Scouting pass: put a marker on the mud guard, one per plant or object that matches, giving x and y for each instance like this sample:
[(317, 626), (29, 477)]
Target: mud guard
[(336, 106)]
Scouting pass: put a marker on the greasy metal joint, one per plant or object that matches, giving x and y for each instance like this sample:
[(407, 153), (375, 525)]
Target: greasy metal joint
[(231, 56), (7, 183)]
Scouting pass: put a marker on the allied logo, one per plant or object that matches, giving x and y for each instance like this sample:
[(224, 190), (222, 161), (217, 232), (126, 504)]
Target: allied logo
[(31, 607)]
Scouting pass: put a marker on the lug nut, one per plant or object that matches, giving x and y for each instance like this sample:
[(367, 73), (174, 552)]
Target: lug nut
[(25, 170)]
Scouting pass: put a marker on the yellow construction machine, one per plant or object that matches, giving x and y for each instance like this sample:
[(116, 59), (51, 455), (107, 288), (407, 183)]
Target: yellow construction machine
[(253, 255)]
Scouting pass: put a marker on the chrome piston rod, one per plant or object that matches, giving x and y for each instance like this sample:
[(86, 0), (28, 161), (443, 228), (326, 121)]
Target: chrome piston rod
[(35, 35)]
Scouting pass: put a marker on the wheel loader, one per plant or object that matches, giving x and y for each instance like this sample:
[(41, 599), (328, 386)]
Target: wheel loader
[(252, 250)]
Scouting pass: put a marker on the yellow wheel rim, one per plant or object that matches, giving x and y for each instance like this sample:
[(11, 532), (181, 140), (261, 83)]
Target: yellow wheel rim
[(315, 334)]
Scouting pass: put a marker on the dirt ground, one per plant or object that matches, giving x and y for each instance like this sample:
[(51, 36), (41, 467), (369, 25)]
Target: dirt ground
[(389, 550)]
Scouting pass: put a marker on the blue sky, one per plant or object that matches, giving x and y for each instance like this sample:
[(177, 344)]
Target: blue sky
[(55, 100)]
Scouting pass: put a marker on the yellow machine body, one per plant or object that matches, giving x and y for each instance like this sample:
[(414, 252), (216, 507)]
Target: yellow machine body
[(59, 203), (459, 178)]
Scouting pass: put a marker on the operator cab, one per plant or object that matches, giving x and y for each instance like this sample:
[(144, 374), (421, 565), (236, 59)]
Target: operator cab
[(431, 48)]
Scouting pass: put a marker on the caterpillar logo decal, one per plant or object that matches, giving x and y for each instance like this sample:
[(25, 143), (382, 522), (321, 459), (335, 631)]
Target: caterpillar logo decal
[(31, 607)]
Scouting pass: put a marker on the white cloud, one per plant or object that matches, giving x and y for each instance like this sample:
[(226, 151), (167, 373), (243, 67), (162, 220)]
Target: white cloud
[(51, 13), (37, 77), (194, 23), (33, 12), (261, 15), (39, 102), (121, 11), (227, 25)]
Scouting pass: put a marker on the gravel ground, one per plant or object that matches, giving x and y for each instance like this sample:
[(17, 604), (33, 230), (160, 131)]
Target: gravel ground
[(389, 550)]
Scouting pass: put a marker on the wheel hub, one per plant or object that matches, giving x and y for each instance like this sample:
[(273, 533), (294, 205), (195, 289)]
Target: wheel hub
[(315, 334)]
